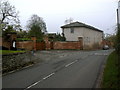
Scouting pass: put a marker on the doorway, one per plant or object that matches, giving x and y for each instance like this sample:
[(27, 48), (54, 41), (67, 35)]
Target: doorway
[(80, 39)]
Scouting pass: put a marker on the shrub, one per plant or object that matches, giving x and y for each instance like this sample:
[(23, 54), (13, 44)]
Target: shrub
[(23, 39)]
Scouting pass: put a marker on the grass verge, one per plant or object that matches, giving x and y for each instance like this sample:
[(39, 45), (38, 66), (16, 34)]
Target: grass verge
[(9, 52), (111, 73)]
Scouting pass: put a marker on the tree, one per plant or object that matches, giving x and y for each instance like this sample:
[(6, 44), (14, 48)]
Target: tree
[(8, 30), (8, 15), (22, 34), (111, 38), (36, 26), (59, 37), (118, 40), (68, 21)]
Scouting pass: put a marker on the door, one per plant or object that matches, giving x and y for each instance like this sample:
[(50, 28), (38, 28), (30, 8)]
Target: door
[(80, 39)]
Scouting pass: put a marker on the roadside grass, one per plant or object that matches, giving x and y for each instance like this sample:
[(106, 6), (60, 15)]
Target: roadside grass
[(9, 52), (111, 73)]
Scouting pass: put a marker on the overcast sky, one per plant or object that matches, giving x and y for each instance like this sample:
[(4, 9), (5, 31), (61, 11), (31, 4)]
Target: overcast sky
[(98, 13)]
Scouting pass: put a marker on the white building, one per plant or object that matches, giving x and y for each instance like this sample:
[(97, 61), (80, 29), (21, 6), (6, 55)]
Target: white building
[(89, 36)]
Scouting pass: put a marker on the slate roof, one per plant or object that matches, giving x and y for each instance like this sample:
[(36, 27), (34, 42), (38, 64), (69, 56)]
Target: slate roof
[(79, 24)]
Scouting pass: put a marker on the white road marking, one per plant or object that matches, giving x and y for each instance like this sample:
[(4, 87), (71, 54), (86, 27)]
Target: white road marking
[(100, 54), (18, 69), (70, 63), (39, 81), (33, 84), (105, 54), (48, 76)]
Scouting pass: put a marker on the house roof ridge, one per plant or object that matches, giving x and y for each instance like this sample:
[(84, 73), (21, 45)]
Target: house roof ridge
[(80, 24)]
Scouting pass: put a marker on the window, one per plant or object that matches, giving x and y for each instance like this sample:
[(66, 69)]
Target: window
[(72, 30)]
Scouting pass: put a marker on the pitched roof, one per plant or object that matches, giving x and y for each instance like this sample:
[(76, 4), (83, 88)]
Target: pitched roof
[(79, 24)]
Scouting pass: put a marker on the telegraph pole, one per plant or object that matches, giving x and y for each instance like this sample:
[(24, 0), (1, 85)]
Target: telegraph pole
[(117, 19), (118, 29)]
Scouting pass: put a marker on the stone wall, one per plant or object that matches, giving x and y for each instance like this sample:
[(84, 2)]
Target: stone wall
[(18, 60)]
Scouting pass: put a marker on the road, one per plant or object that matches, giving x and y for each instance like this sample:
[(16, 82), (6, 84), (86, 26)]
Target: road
[(60, 69)]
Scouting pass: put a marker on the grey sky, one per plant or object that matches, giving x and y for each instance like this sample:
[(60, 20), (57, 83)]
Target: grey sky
[(98, 13)]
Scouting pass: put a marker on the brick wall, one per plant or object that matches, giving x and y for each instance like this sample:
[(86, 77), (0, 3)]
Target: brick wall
[(6, 44), (28, 45), (13, 36), (109, 43), (40, 46), (47, 45), (67, 45), (62, 45), (34, 42)]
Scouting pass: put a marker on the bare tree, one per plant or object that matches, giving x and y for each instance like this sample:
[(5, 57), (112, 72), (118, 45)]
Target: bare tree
[(8, 14), (69, 20)]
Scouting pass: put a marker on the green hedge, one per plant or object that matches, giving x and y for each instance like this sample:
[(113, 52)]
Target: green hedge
[(10, 52), (23, 39), (111, 76)]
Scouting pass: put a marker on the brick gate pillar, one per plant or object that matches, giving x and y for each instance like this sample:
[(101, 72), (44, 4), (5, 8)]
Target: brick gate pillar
[(34, 42), (47, 43)]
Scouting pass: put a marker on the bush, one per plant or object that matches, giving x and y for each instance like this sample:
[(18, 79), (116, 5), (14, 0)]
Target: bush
[(23, 39), (111, 73), (118, 48), (40, 40)]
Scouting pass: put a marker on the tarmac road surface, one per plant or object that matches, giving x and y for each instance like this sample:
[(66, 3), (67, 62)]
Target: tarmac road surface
[(60, 69)]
